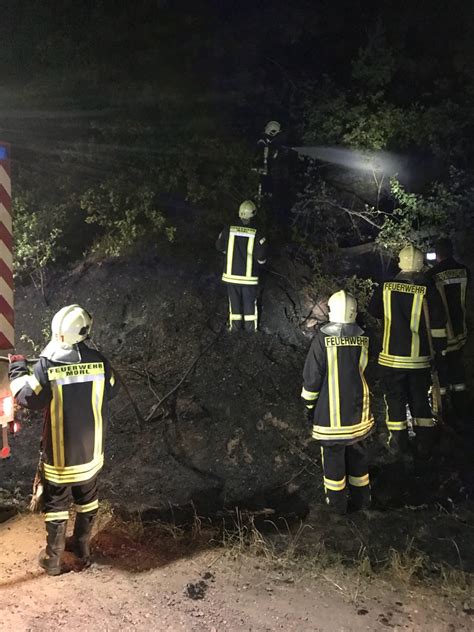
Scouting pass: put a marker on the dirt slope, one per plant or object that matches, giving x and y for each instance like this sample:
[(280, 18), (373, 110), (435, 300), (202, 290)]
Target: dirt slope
[(232, 433), (226, 429)]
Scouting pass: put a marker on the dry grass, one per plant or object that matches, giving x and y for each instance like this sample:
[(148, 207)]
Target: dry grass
[(291, 550), (404, 566)]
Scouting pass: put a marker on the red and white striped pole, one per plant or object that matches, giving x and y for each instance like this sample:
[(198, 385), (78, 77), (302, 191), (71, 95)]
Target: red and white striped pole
[(7, 331)]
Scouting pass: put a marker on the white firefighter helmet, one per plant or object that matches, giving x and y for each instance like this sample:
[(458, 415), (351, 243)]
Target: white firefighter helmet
[(342, 307), (70, 325), (410, 259), (272, 128), (247, 210)]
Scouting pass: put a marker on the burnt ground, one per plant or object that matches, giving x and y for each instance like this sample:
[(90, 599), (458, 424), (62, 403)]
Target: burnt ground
[(231, 434)]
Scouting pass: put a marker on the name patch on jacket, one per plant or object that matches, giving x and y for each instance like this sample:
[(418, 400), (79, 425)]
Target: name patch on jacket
[(451, 274), (404, 287), (346, 341), (242, 230), (75, 370)]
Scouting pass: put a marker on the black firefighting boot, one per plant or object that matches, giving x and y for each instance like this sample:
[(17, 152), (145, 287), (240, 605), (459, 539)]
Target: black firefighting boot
[(337, 501), (78, 543), (50, 558), (250, 326), (460, 410), (398, 443), (360, 497), (235, 326), (426, 438)]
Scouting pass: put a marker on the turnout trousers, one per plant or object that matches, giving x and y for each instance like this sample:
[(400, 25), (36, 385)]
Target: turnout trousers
[(452, 380), (57, 500), (346, 466), (402, 388), (242, 307)]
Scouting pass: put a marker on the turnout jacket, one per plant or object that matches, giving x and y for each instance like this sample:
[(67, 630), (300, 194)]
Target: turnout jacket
[(245, 250), (399, 302), (75, 398), (266, 153), (334, 384), (452, 279)]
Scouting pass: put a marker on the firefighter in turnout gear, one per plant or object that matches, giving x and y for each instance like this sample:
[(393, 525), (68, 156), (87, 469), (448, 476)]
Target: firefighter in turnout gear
[(72, 383), (267, 153), (245, 252), (337, 400), (452, 279), (405, 359)]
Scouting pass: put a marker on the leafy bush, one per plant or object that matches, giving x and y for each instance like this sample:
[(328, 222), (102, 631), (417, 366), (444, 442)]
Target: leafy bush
[(36, 243), (420, 219), (126, 214)]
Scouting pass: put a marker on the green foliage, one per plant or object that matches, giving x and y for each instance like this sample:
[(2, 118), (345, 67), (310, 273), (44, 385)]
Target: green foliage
[(323, 284), (38, 345), (371, 116), (419, 219), (179, 113), (361, 288), (375, 64), (127, 214), (36, 243)]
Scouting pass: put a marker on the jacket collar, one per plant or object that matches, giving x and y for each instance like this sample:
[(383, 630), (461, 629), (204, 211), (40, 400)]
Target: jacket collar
[(64, 354), (342, 329)]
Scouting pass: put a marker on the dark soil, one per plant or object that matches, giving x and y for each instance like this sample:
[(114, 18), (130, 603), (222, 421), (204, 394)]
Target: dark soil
[(232, 435)]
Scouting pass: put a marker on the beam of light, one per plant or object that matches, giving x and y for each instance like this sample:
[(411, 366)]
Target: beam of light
[(431, 256), (370, 161)]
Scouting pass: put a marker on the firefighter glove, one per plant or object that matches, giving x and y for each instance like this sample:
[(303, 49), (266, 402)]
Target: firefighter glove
[(309, 415), (16, 358)]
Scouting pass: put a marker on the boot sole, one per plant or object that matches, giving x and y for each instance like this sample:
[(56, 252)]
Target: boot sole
[(52, 572)]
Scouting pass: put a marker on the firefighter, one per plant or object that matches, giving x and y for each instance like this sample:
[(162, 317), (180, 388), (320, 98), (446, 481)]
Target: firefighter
[(337, 401), (246, 251), (404, 304), (452, 279), (72, 383), (267, 152)]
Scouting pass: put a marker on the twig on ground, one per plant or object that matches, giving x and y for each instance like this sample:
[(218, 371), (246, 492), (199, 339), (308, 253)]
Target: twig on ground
[(149, 379), (295, 476), (328, 579), (156, 406), (300, 452)]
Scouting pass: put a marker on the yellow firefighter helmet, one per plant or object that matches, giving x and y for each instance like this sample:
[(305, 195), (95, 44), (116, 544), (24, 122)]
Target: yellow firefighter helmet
[(71, 325), (342, 307), (272, 128), (247, 210), (410, 259)]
